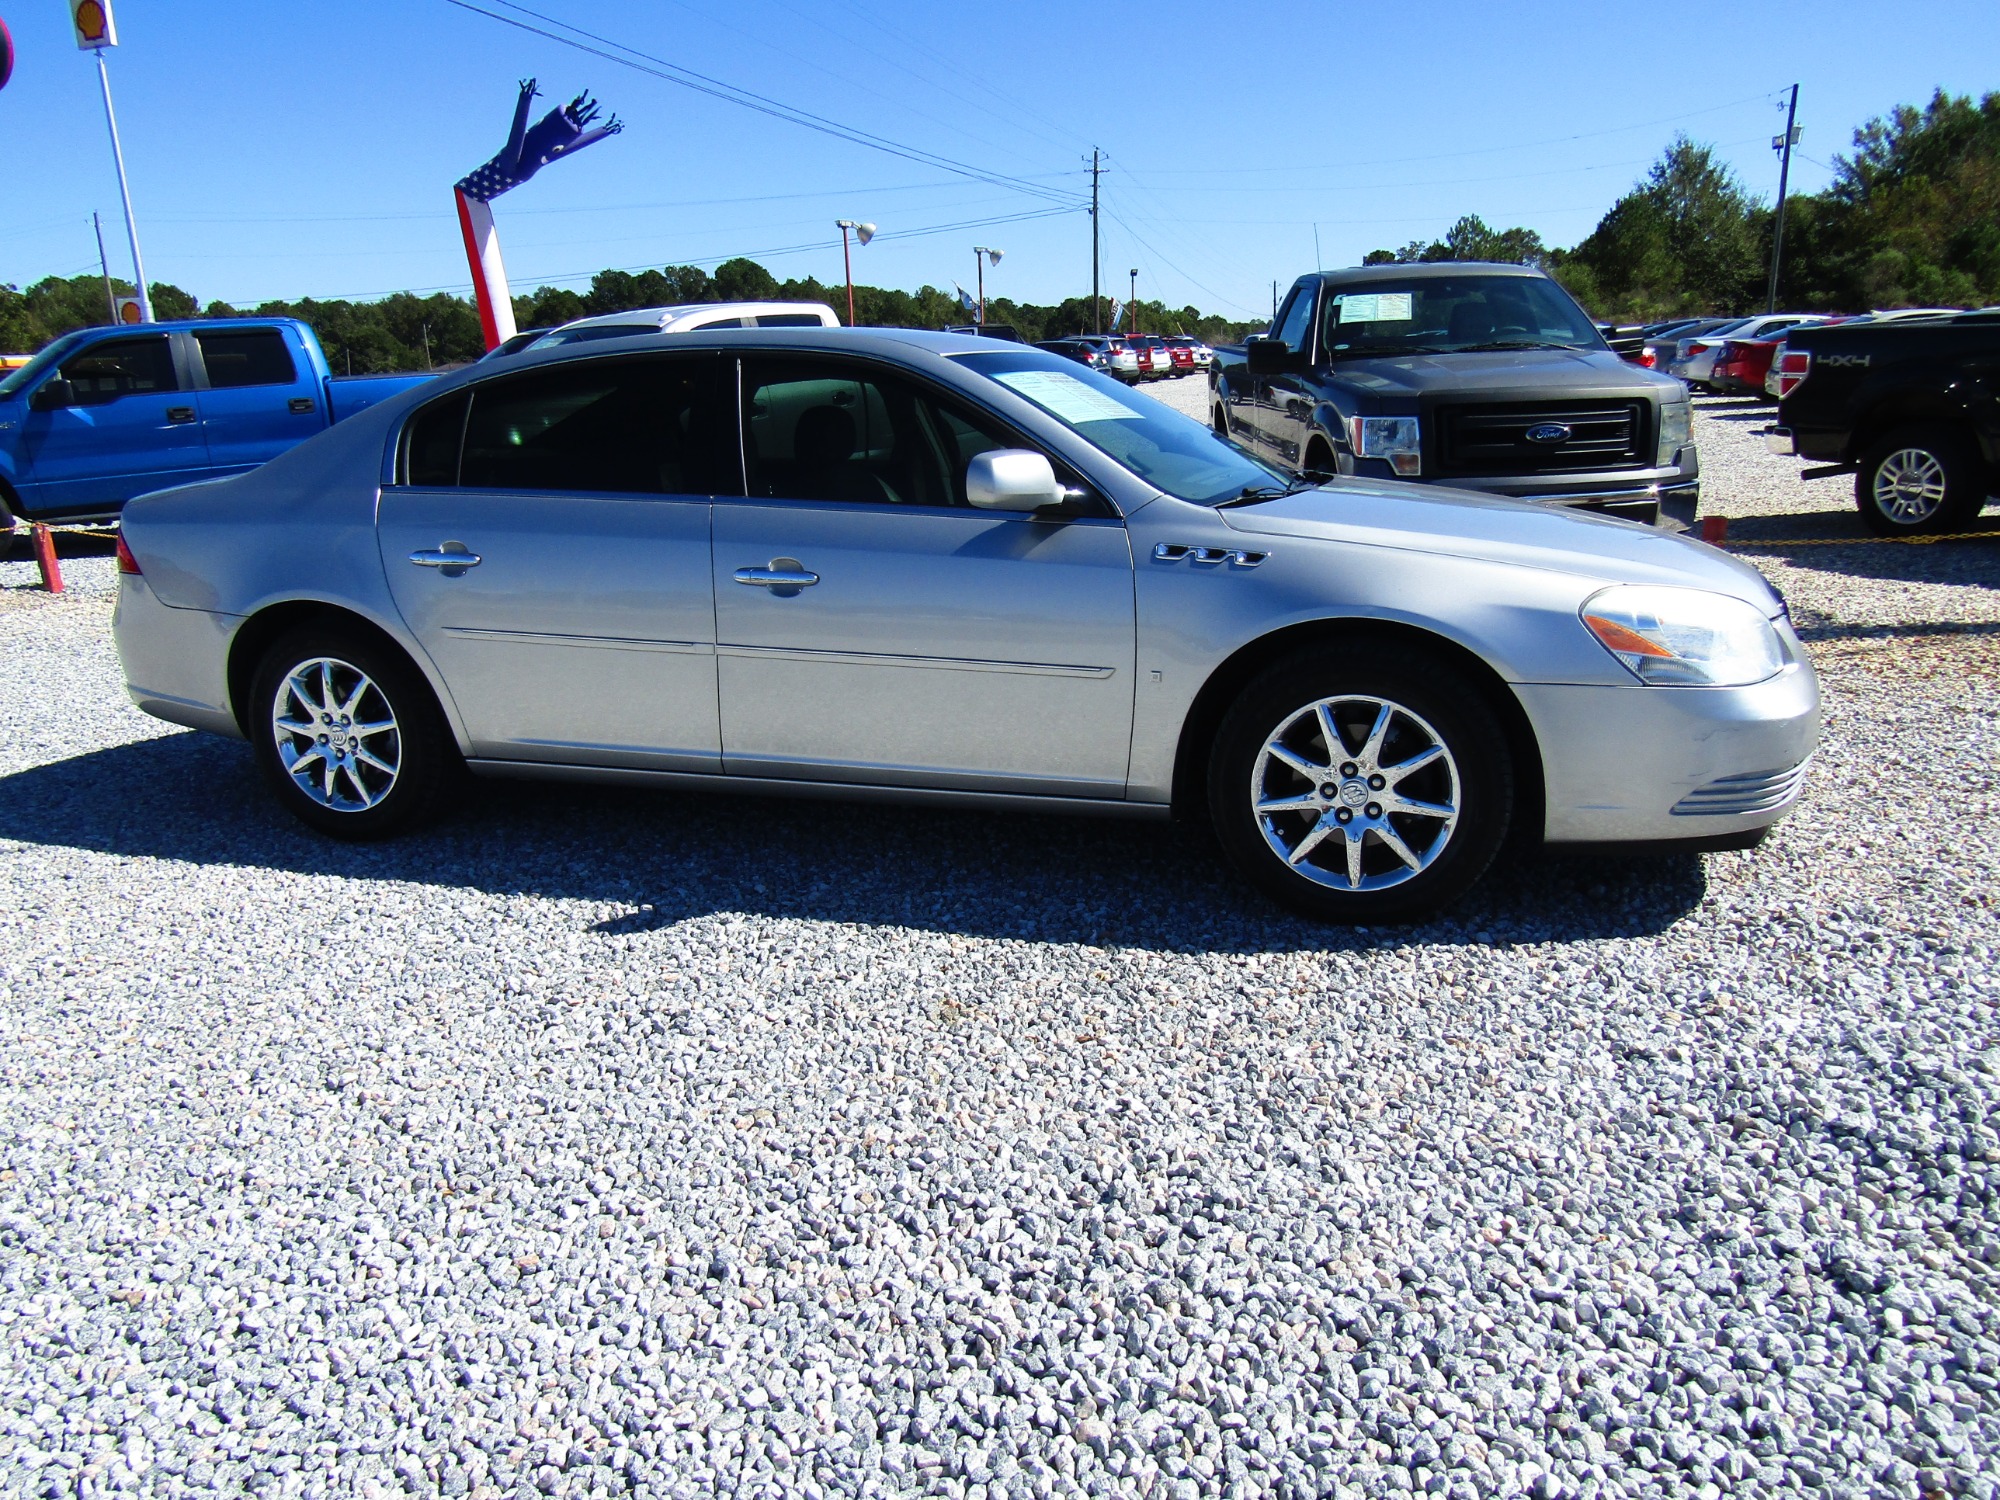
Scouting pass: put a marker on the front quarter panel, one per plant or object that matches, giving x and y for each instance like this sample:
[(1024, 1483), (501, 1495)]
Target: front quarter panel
[(1193, 616)]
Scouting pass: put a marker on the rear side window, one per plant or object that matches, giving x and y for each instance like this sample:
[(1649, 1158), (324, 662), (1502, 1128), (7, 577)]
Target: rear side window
[(256, 356), (121, 367), (786, 320), (621, 426), (431, 456)]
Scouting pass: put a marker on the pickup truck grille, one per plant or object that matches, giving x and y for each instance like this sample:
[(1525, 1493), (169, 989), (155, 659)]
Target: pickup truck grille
[(1494, 439)]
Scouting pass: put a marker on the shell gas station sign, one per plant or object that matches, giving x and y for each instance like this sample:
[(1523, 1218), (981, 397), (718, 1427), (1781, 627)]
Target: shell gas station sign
[(95, 29)]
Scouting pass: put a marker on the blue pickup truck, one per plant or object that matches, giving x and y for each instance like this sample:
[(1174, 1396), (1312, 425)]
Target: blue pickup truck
[(104, 414)]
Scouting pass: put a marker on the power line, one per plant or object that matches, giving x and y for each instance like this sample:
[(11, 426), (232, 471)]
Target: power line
[(627, 56), (1394, 161), (768, 252)]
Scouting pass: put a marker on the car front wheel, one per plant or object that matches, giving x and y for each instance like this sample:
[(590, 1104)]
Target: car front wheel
[(348, 735), (1361, 784), (1920, 481)]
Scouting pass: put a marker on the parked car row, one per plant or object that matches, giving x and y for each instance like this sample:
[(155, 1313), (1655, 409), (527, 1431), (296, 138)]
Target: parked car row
[(1133, 357)]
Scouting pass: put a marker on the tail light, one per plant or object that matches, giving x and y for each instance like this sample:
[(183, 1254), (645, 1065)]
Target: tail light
[(1694, 349), (1793, 367), (1647, 359), (127, 563)]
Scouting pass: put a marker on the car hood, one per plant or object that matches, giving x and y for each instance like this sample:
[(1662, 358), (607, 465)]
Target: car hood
[(1515, 373), (1463, 523)]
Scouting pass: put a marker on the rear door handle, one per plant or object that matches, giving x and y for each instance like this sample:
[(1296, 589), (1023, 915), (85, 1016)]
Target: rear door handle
[(784, 577), (180, 414)]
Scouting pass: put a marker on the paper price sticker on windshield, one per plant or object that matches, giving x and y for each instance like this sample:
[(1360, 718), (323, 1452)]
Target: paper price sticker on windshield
[(1375, 307), (1069, 398)]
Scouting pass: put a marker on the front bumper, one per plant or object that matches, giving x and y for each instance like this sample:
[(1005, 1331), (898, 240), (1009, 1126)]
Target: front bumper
[(1645, 764), (1667, 497)]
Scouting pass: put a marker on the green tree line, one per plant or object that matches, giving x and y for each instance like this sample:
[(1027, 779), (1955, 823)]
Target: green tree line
[(1911, 219), (408, 332)]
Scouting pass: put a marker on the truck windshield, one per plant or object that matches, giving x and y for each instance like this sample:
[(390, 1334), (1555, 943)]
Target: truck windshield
[(1175, 453), (40, 365), (1451, 315)]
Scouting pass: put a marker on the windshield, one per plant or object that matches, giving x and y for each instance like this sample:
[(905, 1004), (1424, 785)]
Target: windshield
[(39, 366), (1452, 315), (1175, 453)]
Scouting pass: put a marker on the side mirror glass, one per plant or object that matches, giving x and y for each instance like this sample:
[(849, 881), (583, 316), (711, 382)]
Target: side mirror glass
[(54, 394), (1012, 479), (1268, 356)]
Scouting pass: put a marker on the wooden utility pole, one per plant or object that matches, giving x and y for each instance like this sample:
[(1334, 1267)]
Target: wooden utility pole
[(1784, 144), (1096, 301)]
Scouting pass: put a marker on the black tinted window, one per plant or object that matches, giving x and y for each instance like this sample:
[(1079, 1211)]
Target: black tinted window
[(633, 426), (257, 356), (431, 456), (783, 320), (121, 367), (835, 430)]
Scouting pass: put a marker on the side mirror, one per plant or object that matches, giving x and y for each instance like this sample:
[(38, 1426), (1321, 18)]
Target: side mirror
[(1011, 479), (1268, 356), (52, 395)]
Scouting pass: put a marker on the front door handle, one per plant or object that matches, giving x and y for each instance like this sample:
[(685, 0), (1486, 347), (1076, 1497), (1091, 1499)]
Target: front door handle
[(784, 577), (452, 559), (180, 414), (302, 406)]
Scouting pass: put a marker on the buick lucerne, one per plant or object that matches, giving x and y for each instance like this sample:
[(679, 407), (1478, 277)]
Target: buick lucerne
[(919, 567)]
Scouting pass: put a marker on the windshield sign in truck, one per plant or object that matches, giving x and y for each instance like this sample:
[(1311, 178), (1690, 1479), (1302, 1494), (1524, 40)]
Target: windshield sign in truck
[(104, 414), (1484, 377)]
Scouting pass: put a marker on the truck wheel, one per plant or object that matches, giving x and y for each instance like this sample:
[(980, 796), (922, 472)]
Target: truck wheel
[(1920, 481), (348, 735), (1361, 783)]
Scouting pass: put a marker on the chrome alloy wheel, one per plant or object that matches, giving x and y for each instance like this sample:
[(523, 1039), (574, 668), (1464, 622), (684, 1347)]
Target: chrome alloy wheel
[(1356, 793), (336, 734), (1909, 486)]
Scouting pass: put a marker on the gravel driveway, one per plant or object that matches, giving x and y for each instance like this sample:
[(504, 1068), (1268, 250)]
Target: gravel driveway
[(599, 1143)]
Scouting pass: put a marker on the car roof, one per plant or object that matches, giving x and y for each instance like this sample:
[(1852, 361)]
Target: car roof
[(1427, 271), (639, 317), (891, 342)]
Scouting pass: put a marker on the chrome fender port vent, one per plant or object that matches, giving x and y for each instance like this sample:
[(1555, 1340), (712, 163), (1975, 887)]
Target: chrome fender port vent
[(1234, 557)]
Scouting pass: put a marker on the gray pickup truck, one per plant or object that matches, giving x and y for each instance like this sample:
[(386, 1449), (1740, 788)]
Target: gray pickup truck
[(1484, 377)]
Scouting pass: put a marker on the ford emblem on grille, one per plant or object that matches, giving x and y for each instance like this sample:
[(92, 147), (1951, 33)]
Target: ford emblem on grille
[(1548, 432)]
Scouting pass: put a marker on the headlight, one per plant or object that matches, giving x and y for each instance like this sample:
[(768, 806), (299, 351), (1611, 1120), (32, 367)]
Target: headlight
[(1684, 637), (1394, 438), (1676, 432)]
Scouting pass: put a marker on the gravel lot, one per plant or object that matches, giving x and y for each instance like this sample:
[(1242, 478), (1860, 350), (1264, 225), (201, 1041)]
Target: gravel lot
[(599, 1143)]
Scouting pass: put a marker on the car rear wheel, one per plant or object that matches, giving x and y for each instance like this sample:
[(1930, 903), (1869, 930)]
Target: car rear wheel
[(1361, 783), (1920, 481), (348, 735)]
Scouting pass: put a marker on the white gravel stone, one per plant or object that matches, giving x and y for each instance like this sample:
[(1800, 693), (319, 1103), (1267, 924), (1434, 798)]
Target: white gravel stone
[(598, 1143)]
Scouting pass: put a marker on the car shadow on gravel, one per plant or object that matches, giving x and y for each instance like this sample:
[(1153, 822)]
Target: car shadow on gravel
[(1835, 541), (655, 858)]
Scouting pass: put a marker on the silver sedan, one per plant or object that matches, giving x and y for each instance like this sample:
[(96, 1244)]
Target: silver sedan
[(923, 568)]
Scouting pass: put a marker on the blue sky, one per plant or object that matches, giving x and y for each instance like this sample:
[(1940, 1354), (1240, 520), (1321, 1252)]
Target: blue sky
[(288, 150)]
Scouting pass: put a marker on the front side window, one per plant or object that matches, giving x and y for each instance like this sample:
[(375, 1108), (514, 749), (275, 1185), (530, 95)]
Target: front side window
[(254, 356), (121, 367), (646, 426), (1296, 320), (837, 430), (1174, 453), (1452, 315)]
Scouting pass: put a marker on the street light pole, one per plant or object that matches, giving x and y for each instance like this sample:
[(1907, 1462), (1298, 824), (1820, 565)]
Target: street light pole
[(125, 192), (1132, 301), (864, 233), (980, 256)]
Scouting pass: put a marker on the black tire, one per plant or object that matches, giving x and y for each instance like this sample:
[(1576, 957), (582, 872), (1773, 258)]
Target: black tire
[(1920, 481), (417, 749), (1431, 702)]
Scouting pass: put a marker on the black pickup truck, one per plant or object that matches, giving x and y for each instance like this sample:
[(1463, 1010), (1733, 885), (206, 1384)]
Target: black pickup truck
[(1485, 377), (1910, 408)]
